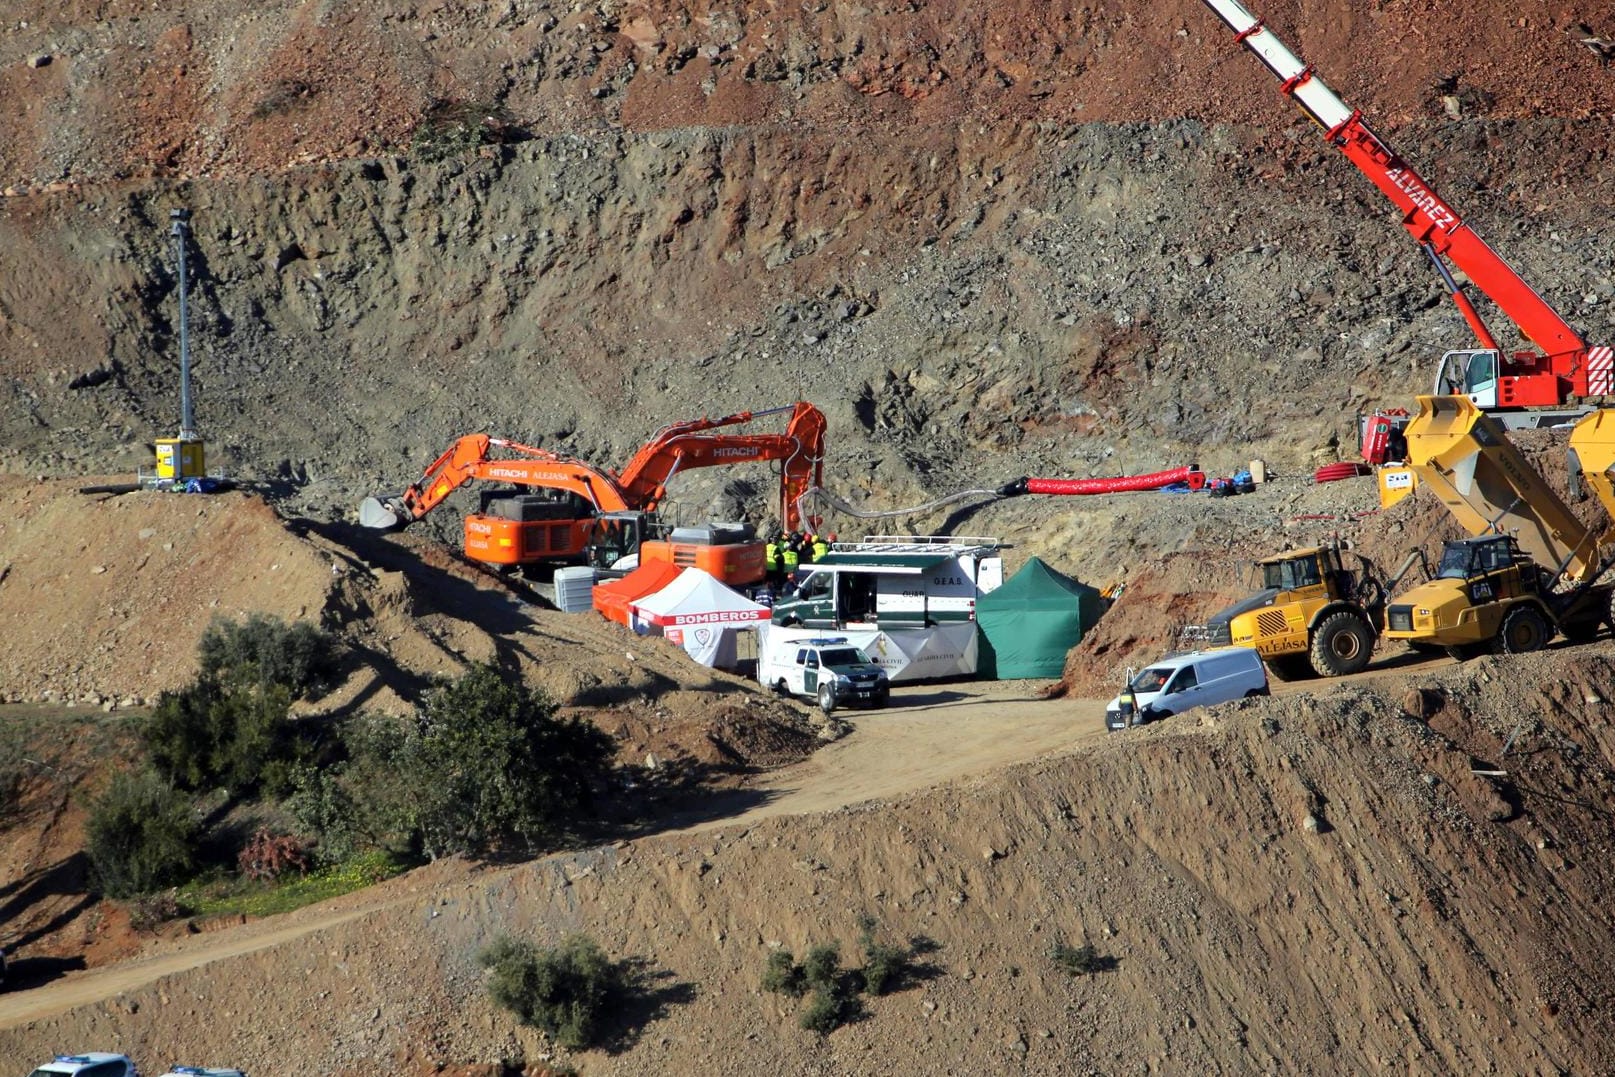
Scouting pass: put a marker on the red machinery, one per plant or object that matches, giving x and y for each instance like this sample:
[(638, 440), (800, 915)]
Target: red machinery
[(564, 510), (1565, 371)]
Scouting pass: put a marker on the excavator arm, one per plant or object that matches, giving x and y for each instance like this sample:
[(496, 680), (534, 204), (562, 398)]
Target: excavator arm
[(1565, 368), (690, 445), (468, 459)]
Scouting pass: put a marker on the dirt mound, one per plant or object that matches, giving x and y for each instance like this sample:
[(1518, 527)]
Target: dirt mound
[(1308, 884)]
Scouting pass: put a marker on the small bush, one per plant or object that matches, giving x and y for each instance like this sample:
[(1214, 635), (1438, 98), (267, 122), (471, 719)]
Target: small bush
[(783, 976), (150, 911), (268, 856), (1075, 960), (140, 836), (565, 991), (213, 734), (829, 1009), (885, 966), (820, 966), (325, 809), (489, 766), (265, 650)]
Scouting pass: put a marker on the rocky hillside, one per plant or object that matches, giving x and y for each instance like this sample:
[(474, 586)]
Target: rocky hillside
[(986, 244), (988, 241)]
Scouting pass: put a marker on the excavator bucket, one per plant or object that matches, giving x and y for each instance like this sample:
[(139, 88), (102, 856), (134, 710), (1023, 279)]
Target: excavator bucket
[(378, 513), (1463, 456)]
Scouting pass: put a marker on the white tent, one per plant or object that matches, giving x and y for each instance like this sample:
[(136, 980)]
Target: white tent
[(699, 614)]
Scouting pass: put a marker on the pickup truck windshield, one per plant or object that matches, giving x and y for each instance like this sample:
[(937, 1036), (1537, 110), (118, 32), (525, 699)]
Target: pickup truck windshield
[(842, 656)]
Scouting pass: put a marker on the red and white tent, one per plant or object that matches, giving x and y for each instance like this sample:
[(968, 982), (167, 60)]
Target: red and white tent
[(699, 614)]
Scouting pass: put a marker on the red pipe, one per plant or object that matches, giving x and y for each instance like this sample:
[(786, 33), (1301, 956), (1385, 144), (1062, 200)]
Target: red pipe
[(1153, 481)]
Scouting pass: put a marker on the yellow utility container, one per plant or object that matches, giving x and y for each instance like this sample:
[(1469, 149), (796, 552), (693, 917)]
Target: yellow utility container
[(179, 459)]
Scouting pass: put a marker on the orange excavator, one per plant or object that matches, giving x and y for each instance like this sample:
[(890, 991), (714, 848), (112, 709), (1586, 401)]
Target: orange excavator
[(562, 510)]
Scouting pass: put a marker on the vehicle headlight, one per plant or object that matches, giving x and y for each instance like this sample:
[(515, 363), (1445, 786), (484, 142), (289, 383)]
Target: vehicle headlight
[(842, 678)]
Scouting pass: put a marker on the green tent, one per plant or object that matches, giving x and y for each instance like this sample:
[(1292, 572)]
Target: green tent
[(1026, 626)]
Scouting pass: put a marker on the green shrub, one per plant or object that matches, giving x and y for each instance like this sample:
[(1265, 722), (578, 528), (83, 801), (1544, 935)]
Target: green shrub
[(266, 650), (231, 727), (213, 734), (783, 976), (140, 835), (835, 991), (830, 1008), (565, 990), (885, 966), (487, 766), (820, 966), (1074, 960)]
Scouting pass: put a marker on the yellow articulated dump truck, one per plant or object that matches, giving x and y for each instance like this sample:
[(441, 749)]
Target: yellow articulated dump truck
[(1531, 569), (1314, 614)]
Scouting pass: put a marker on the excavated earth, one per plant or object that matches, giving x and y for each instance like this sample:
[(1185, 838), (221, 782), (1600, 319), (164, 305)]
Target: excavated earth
[(988, 241)]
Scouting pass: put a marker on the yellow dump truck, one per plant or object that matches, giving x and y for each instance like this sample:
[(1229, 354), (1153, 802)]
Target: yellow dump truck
[(1531, 568), (1314, 614)]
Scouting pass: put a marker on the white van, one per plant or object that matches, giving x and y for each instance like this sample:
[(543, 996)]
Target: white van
[(1180, 682)]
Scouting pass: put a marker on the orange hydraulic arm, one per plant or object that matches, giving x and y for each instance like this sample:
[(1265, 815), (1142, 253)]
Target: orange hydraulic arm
[(688, 445), (467, 459)]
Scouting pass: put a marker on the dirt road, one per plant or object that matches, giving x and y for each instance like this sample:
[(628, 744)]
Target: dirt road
[(931, 735)]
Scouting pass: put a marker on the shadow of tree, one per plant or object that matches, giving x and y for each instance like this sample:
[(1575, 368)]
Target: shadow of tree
[(648, 995), (69, 875)]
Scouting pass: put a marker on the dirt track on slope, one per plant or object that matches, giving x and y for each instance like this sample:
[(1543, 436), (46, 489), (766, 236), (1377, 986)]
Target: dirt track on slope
[(932, 736)]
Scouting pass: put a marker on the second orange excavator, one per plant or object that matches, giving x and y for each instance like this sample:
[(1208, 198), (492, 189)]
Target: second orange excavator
[(560, 510)]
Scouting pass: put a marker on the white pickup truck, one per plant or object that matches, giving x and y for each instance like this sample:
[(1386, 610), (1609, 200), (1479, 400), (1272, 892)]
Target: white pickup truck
[(828, 669)]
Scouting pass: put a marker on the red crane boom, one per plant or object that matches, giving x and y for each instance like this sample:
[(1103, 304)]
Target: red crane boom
[(1564, 371)]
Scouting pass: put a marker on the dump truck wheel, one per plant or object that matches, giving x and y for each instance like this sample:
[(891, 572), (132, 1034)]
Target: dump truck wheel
[(1463, 652), (1290, 667), (1341, 645), (1524, 630)]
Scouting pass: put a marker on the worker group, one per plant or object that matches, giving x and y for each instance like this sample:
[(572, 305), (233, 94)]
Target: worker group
[(791, 550)]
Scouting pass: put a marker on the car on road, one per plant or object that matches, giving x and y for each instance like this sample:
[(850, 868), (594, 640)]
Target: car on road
[(1184, 681), (828, 669), (89, 1064)]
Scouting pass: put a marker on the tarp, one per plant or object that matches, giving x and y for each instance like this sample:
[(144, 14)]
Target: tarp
[(612, 597), (700, 614), (1029, 623), (906, 654)]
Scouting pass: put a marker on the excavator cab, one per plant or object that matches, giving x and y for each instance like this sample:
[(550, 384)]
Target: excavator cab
[(617, 535)]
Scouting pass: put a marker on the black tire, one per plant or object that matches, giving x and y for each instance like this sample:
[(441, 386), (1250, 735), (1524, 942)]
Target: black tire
[(827, 697), (1257, 693), (1463, 652), (1290, 667), (1342, 644), (1524, 630), (781, 687)]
